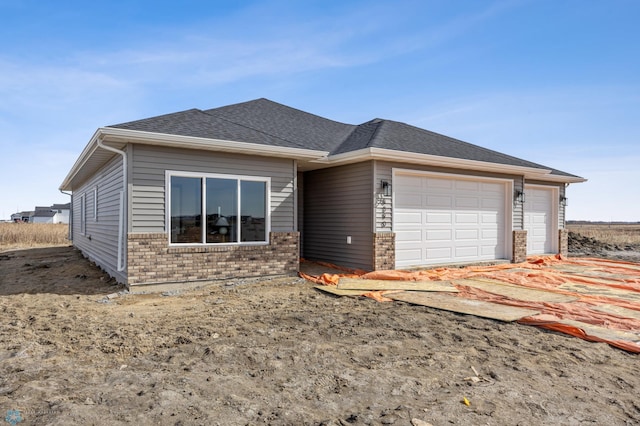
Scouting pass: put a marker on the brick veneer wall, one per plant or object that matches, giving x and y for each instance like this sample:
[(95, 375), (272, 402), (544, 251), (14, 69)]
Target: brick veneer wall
[(150, 260), (563, 242), (519, 246), (384, 251)]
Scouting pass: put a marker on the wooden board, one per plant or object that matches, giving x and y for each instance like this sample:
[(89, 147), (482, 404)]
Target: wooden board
[(370, 285), (339, 292), (452, 303), (618, 310), (595, 290), (516, 292), (602, 332)]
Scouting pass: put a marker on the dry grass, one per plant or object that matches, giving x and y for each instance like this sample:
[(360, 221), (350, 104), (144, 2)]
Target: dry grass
[(609, 233), (19, 235)]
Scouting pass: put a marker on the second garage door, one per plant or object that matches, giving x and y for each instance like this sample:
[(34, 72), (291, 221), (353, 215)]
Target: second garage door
[(448, 220), (539, 219)]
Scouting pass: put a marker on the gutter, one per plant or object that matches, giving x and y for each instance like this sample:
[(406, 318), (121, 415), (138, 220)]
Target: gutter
[(121, 221), (70, 231)]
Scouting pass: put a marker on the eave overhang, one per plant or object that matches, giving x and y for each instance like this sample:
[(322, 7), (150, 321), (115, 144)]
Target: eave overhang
[(93, 157)]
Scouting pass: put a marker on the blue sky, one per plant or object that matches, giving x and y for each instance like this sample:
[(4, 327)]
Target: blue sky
[(556, 82)]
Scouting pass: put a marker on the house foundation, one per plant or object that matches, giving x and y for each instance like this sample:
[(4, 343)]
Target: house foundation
[(151, 260)]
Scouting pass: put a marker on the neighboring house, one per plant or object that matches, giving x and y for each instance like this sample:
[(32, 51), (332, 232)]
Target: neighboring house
[(44, 216), (24, 216), (245, 190), (63, 212), (57, 213)]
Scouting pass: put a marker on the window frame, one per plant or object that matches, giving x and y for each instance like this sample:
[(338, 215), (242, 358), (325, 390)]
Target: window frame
[(203, 189)]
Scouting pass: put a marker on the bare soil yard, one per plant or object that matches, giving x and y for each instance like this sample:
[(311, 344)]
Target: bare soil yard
[(279, 352)]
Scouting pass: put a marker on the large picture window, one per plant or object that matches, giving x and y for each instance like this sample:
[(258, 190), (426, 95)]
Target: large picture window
[(214, 209)]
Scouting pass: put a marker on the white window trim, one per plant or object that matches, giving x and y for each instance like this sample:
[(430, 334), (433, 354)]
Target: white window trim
[(83, 219), (239, 178), (95, 204)]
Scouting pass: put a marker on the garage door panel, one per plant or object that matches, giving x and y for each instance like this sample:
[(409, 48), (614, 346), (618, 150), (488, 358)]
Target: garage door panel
[(439, 201), (409, 199), (441, 254), (462, 220), (467, 185), (412, 256), (467, 203), (406, 236), (467, 234), (438, 234), (467, 218), (409, 218), (434, 184), (438, 217), (467, 252)]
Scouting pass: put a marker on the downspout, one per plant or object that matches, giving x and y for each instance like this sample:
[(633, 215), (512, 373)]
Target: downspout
[(70, 232), (121, 222)]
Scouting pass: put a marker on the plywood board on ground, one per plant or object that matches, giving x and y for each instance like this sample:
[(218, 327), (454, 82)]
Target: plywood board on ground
[(370, 285), (602, 332), (452, 303), (595, 290), (618, 310), (339, 292), (516, 292), (599, 276)]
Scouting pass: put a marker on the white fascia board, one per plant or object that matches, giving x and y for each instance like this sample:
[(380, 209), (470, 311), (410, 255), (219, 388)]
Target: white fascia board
[(427, 159), (124, 136), (192, 142), (81, 161)]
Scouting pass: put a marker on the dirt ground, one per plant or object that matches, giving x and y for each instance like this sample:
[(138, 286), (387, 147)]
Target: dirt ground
[(279, 352)]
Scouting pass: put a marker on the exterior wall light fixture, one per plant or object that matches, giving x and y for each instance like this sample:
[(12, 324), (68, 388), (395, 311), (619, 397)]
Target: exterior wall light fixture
[(518, 196), (386, 187)]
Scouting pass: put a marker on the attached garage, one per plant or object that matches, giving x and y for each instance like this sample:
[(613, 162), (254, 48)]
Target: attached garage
[(540, 219), (441, 218)]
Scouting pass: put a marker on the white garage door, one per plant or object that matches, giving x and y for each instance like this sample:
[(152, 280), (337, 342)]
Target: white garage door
[(447, 220), (538, 220)]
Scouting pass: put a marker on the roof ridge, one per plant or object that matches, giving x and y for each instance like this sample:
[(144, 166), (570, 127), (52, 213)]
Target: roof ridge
[(287, 107), (155, 116), (222, 117)]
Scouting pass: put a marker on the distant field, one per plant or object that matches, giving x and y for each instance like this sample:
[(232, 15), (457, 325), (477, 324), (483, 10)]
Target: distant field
[(609, 233), (18, 235)]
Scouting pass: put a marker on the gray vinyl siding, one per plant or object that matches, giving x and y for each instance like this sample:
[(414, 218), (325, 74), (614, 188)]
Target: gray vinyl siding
[(100, 240), (300, 201), (518, 208), (149, 163), (384, 171), (338, 202)]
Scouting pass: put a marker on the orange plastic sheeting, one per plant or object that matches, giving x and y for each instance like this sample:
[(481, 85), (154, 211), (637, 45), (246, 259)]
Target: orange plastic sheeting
[(551, 323), (537, 273)]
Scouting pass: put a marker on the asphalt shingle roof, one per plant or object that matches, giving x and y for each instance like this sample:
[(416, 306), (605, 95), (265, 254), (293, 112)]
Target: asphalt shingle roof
[(262, 121)]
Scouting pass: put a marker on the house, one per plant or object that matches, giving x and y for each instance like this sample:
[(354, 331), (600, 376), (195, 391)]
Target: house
[(44, 215), (244, 190), (23, 216), (63, 212), (57, 213)]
